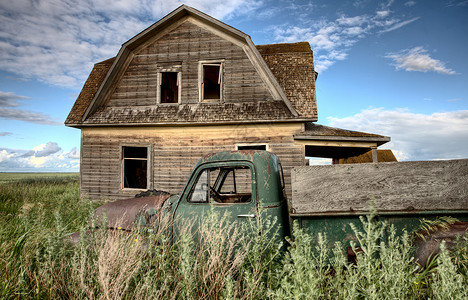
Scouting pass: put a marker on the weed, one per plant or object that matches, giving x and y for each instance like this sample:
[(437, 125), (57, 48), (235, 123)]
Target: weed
[(225, 261)]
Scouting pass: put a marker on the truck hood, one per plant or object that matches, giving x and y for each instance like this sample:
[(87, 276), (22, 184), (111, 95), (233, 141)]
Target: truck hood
[(121, 214)]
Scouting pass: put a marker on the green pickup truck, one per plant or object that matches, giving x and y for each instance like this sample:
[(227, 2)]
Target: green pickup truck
[(324, 199)]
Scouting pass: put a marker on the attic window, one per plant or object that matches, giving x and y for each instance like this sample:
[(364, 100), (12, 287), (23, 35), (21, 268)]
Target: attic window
[(134, 167), (211, 81), (169, 84)]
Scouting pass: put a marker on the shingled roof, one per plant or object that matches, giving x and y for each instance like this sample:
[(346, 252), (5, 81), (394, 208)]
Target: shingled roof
[(291, 64), (320, 132), (88, 91)]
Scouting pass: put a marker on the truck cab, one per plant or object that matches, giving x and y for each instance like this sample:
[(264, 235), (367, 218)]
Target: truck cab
[(242, 186), (239, 186)]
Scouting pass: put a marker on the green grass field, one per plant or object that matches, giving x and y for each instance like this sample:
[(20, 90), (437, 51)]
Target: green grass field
[(36, 262), (11, 177)]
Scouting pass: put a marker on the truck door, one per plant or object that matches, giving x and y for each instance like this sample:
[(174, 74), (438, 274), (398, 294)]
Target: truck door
[(227, 189)]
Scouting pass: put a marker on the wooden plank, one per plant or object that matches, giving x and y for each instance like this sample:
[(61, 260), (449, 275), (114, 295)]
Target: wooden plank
[(395, 187)]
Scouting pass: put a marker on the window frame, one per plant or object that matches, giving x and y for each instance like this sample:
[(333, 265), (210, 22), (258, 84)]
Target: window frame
[(201, 77), (148, 160), (177, 70), (202, 168)]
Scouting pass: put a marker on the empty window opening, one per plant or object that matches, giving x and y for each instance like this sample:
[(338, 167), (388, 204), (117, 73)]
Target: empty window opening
[(135, 167), (252, 147), (318, 161), (223, 185), (212, 82), (169, 87)]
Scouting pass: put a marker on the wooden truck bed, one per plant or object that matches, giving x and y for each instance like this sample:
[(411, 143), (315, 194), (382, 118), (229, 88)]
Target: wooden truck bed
[(396, 187)]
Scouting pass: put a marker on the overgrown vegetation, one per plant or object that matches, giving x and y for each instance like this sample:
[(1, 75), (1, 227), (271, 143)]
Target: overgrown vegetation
[(223, 264)]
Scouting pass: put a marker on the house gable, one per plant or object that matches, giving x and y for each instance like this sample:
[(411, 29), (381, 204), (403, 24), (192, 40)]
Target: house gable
[(183, 50), (129, 92)]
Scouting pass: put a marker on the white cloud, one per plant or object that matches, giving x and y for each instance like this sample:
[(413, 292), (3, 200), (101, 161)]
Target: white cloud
[(9, 99), (382, 13), (327, 38), (4, 155), (46, 149), (356, 30), (414, 136), (58, 42), (8, 110), (48, 157), (74, 153), (352, 21), (457, 3), (27, 116), (398, 25), (417, 59)]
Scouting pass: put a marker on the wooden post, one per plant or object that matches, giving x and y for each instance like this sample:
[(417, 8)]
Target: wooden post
[(374, 155)]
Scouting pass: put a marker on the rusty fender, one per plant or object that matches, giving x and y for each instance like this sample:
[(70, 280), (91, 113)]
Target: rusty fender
[(121, 214), (428, 245)]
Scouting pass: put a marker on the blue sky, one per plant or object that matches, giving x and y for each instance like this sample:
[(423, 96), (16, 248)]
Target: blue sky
[(396, 68)]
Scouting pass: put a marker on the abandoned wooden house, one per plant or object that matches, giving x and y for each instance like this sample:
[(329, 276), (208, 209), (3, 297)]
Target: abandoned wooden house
[(190, 85)]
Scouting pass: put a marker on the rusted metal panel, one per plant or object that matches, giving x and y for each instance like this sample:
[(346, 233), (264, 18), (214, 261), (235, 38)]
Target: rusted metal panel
[(121, 214), (428, 244)]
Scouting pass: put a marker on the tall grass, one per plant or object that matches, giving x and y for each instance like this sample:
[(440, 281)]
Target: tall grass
[(224, 262)]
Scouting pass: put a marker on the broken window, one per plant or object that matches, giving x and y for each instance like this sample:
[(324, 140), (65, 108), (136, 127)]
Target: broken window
[(135, 167), (169, 87), (212, 77), (230, 184)]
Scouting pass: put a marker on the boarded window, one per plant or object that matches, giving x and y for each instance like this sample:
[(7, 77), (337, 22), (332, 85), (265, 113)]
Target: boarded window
[(212, 79), (223, 185), (135, 167), (169, 87)]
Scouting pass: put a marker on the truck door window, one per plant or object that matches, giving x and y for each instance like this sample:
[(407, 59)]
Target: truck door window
[(231, 184)]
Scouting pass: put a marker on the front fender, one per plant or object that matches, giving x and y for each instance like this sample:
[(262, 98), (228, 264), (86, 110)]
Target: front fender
[(122, 214)]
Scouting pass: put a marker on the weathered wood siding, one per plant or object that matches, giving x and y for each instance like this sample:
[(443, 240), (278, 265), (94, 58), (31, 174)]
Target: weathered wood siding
[(395, 187), (185, 46), (174, 152)]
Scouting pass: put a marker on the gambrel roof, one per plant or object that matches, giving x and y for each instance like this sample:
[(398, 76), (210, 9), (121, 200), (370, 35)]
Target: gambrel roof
[(286, 70)]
